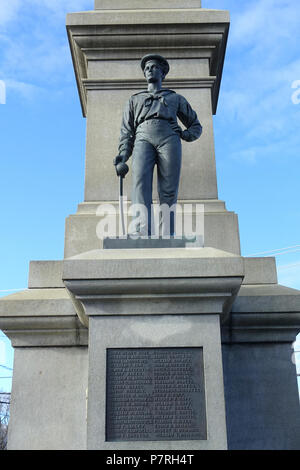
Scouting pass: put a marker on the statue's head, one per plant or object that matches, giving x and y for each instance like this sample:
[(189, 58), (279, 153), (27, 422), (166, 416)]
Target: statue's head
[(153, 64)]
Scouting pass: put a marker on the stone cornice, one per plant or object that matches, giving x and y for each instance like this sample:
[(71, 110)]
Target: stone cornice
[(41, 317), (264, 314), (261, 328), (93, 84), (125, 284), (155, 296), (128, 35), (149, 16), (45, 331)]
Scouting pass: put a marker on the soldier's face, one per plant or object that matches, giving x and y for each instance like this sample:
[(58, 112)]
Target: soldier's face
[(153, 71)]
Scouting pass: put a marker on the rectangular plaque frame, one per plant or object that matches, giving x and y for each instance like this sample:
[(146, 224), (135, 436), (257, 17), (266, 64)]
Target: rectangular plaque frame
[(155, 394)]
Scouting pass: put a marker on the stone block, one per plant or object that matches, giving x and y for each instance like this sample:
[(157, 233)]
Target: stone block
[(265, 313), (45, 274), (48, 274), (148, 332), (107, 71), (167, 16), (41, 317), (220, 227), (162, 263), (262, 400), (165, 281), (48, 406), (129, 243), (142, 5), (260, 271)]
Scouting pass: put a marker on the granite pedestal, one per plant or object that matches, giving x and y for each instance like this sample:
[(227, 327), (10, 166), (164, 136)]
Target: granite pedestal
[(166, 302)]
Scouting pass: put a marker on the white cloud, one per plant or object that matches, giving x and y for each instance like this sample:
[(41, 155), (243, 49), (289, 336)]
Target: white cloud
[(264, 24), (25, 90), (35, 55), (62, 6), (295, 265), (8, 10), (256, 95), (34, 45)]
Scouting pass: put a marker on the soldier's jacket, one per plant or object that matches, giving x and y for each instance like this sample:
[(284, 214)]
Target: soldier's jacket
[(165, 104)]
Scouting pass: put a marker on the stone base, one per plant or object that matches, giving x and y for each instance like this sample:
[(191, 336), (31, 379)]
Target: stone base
[(150, 332), (175, 308), (50, 370), (220, 227), (154, 300)]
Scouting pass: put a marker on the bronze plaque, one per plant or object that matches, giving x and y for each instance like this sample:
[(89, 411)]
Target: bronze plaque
[(155, 394)]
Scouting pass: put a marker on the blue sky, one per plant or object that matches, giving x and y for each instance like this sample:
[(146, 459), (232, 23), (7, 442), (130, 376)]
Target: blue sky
[(43, 132)]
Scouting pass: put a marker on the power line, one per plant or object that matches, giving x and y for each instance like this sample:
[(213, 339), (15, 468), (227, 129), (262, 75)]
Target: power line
[(288, 266), (279, 251), (5, 367), (14, 290)]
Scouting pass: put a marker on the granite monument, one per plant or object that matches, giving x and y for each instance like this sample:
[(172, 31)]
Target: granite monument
[(160, 349)]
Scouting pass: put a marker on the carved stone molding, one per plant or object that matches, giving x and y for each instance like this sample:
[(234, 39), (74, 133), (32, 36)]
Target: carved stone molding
[(128, 35)]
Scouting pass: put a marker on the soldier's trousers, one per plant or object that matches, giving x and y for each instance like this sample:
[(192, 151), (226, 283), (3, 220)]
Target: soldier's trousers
[(156, 143)]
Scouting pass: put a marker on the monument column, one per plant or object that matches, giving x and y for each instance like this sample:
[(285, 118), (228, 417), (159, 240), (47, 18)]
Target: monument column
[(107, 45)]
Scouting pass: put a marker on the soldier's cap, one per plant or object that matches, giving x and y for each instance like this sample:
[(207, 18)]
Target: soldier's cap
[(160, 59)]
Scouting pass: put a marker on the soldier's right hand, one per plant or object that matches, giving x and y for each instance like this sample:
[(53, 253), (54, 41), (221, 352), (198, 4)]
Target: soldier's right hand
[(121, 167), (118, 159)]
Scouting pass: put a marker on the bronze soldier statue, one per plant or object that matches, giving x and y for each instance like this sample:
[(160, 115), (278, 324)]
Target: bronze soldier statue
[(151, 134)]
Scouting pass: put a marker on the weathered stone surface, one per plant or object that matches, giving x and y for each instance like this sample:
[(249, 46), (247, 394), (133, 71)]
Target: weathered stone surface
[(151, 243), (262, 400), (264, 313), (164, 263), (260, 271), (152, 332), (220, 227), (48, 407), (41, 317), (141, 4), (46, 274)]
